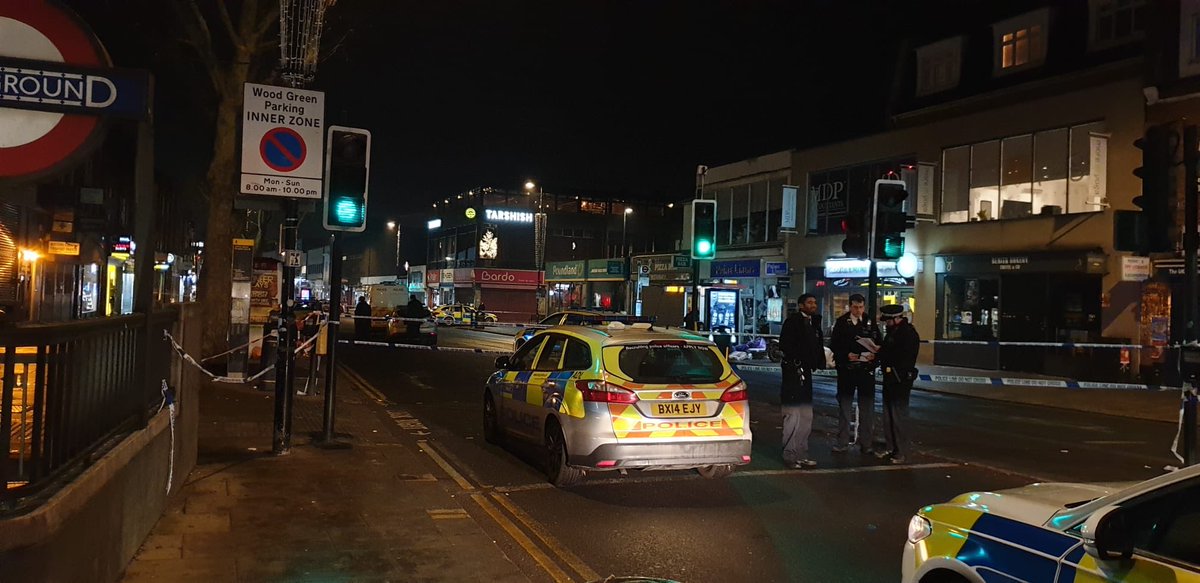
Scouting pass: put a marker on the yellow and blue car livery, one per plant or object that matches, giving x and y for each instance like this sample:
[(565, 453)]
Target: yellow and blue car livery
[(622, 397), (1036, 534)]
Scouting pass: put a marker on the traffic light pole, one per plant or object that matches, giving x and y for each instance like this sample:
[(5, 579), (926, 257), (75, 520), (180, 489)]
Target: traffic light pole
[(285, 361), (331, 334), (873, 273)]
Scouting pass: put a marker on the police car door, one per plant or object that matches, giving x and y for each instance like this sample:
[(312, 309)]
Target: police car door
[(1165, 526), (511, 405), (544, 384)]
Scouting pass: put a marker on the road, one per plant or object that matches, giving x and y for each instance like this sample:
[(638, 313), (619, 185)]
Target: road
[(844, 521)]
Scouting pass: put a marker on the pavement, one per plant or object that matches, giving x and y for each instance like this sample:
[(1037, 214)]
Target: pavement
[(381, 510)]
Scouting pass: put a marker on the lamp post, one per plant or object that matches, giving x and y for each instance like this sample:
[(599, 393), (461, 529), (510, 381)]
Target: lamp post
[(539, 244), (624, 221), (396, 226)]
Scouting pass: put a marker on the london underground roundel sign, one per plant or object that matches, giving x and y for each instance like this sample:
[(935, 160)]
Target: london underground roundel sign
[(34, 142)]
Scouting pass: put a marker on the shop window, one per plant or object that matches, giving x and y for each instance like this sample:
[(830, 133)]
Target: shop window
[(724, 209), (1016, 180), (956, 184), (1087, 189), (1050, 172), (740, 215), (971, 308), (985, 175), (1116, 22)]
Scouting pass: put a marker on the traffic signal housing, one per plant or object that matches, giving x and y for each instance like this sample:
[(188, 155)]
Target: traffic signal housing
[(890, 218), (704, 229), (855, 243), (347, 168), (1157, 200)]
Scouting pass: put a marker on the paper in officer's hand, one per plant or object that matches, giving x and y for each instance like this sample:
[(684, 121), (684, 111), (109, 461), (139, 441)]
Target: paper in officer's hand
[(869, 344)]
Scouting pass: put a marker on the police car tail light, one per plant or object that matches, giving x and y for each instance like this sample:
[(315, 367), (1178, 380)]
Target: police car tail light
[(735, 393), (919, 529), (604, 392)]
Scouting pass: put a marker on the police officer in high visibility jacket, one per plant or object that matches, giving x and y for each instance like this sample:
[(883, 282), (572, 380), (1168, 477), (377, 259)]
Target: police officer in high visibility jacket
[(898, 360), (855, 374)]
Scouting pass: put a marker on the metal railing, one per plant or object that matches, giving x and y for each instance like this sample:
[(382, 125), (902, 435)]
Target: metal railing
[(69, 392)]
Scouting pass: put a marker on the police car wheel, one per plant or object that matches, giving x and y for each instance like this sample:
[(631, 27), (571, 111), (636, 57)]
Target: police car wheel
[(715, 472), (491, 421), (557, 470)]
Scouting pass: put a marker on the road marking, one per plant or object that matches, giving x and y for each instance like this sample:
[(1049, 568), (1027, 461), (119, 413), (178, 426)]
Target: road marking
[(1115, 442), (439, 460), (447, 513), (544, 561), (989, 467), (364, 386), (564, 554)]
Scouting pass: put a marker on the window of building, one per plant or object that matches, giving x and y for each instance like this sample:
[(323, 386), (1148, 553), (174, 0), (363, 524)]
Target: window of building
[(1056, 171), (1117, 21), (1021, 41), (758, 212), (739, 232), (774, 209), (724, 216), (939, 66)]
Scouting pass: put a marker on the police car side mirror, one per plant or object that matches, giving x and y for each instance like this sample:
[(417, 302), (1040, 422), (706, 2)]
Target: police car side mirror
[(501, 362), (1106, 535)]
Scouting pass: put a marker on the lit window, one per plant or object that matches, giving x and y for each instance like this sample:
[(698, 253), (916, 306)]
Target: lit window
[(1021, 41), (1020, 47)]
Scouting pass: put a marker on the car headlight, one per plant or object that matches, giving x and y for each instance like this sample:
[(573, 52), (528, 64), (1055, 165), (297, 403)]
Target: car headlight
[(919, 529)]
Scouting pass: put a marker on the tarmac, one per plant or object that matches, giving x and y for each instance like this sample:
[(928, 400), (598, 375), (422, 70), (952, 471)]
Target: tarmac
[(381, 510)]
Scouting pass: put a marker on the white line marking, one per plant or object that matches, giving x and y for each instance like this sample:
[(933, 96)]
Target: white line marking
[(1115, 442)]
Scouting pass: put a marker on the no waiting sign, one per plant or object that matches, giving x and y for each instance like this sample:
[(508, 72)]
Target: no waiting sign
[(283, 141)]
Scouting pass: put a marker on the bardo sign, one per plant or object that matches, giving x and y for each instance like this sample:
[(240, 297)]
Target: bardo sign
[(282, 141)]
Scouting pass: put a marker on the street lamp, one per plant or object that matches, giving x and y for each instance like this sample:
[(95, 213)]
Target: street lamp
[(394, 225), (624, 221), (539, 235)]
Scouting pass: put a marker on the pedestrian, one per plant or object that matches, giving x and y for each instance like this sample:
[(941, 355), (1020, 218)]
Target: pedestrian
[(855, 374), (479, 315), (803, 352), (898, 359), (413, 312), (362, 319), (692, 319)]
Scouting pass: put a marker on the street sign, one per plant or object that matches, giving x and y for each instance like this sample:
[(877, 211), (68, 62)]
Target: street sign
[(63, 248), (293, 258), (283, 141)]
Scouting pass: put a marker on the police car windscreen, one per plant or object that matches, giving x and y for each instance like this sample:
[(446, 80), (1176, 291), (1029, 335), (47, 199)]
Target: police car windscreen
[(675, 363)]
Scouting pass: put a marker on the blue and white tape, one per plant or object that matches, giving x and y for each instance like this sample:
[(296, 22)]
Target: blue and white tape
[(992, 381)]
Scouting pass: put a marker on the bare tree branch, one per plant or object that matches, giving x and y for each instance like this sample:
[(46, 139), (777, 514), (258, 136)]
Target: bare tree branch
[(199, 37), (271, 17), (225, 20)]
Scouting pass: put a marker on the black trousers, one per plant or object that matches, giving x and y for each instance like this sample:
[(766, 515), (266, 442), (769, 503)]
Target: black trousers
[(852, 381), (895, 415)]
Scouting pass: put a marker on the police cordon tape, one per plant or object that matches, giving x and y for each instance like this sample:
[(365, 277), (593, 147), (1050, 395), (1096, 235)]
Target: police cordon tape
[(183, 355), (991, 381), (423, 347)]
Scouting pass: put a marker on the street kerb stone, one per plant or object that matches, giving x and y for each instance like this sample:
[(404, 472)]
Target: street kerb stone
[(190, 523), (161, 547)]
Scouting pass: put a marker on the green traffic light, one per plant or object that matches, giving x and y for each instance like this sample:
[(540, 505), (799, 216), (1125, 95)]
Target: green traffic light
[(893, 247), (347, 211), (703, 247)]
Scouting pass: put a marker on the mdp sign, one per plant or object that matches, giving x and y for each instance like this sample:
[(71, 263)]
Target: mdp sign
[(56, 82)]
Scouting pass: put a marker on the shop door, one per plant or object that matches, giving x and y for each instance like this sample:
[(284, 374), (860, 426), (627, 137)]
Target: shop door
[(1023, 300), (510, 305)]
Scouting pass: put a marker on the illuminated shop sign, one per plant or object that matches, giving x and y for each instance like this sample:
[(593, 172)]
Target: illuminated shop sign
[(508, 216)]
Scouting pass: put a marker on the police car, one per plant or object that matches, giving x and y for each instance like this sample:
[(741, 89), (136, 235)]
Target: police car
[(461, 314), (620, 398), (575, 318), (1063, 533)]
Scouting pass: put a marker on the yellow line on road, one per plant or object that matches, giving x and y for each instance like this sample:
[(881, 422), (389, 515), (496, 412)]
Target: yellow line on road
[(364, 386), (563, 553), (445, 465), (541, 558)]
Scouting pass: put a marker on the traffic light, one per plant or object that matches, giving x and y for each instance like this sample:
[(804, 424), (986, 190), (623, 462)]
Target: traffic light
[(855, 243), (704, 229), (890, 219), (1158, 187), (347, 166)]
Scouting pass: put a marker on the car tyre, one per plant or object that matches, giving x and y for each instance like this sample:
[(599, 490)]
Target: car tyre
[(715, 472), (557, 470), (491, 420)]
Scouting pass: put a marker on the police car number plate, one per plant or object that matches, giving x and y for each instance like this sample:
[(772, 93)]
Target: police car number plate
[(678, 409)]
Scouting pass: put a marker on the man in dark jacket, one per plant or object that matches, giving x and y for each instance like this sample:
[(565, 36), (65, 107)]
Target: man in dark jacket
[(855, 374), (803, 352), (898, 359), (362, 319), (415, 310)]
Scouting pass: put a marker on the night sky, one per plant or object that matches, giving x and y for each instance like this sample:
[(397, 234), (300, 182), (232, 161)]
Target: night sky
[(602, 97)]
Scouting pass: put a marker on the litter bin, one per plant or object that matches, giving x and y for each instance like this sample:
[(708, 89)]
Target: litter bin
[(723, 338)]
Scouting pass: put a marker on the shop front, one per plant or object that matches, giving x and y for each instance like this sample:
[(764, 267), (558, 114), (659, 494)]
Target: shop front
[(416, 281), (566, 285), (606, 284), (1019, 297), (744, 295), (841, 278), (662, 287), (439, 284), (509, 293)]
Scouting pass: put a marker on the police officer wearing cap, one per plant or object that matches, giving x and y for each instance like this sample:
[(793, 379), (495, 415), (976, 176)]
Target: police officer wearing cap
[(898, 360), (855, 374)]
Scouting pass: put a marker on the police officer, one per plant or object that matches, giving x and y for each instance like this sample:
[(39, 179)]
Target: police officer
[(855, 374), (898, 358)]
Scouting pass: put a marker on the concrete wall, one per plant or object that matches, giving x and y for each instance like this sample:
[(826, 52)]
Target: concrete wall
[(92, 527), (1120, 103)]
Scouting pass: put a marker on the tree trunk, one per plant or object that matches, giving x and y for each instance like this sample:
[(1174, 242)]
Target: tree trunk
[(215, 281)]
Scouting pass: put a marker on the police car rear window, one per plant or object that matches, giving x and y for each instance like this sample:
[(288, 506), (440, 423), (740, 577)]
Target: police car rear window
[(670, 363)]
